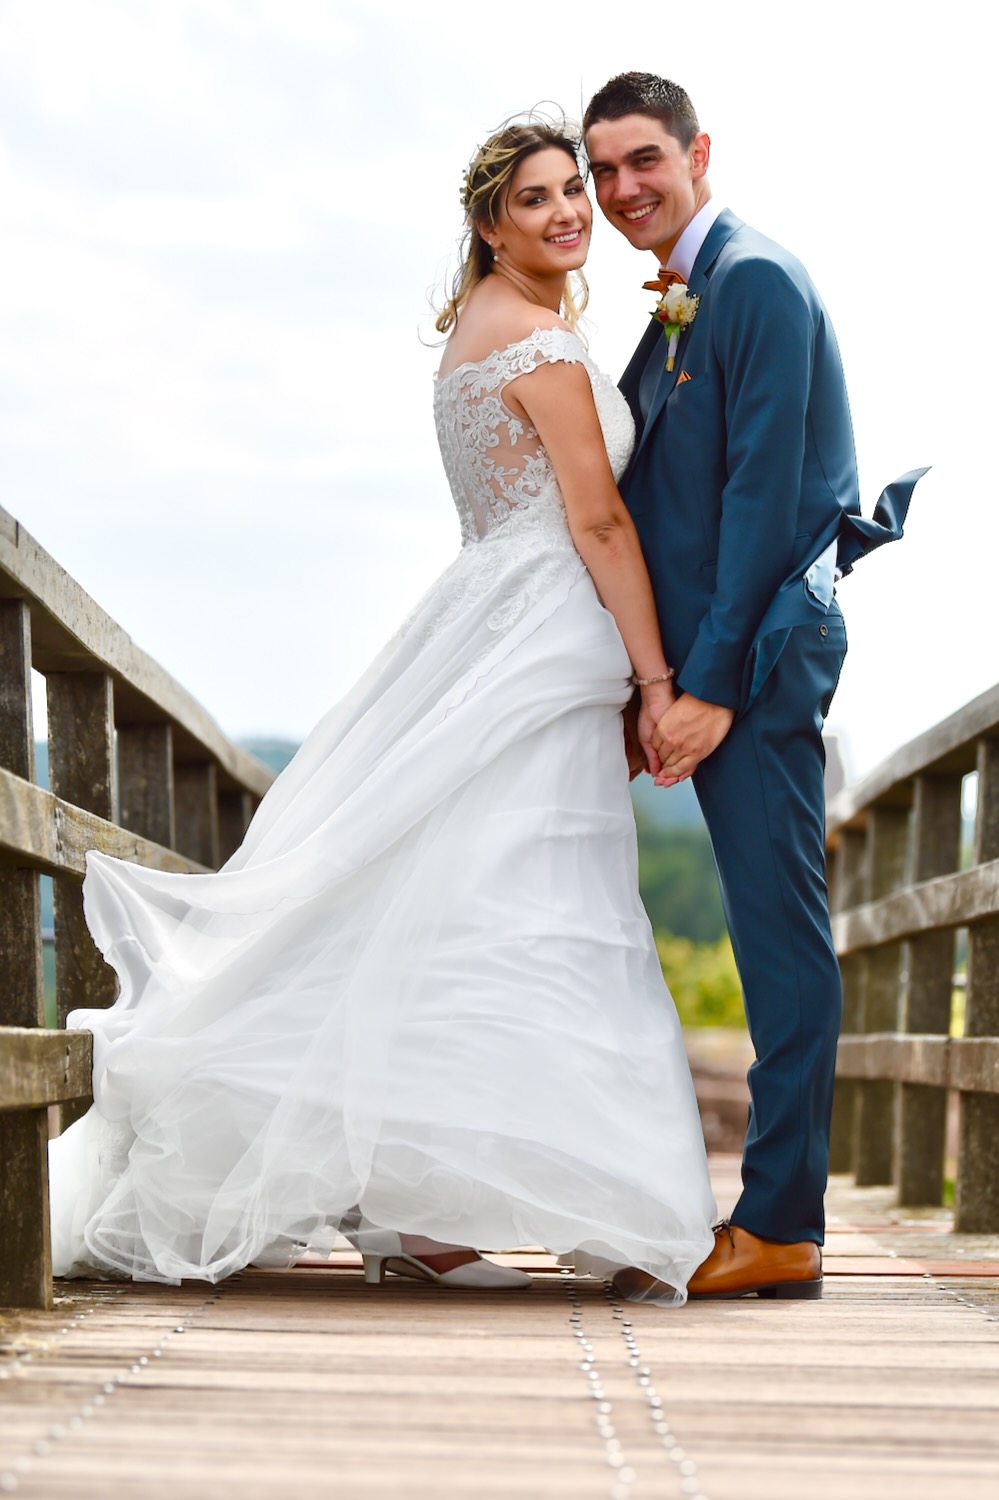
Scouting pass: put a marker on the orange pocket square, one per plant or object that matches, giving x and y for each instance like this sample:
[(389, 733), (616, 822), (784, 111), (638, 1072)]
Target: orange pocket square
[(684, 375)]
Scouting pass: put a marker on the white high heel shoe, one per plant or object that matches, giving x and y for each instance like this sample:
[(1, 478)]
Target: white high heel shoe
[(381, 1251)]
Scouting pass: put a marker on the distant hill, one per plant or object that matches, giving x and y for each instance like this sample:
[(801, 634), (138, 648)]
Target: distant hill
[(273, 753)]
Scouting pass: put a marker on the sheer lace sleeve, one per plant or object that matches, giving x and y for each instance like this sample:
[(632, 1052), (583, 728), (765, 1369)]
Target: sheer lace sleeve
[(494, 461)]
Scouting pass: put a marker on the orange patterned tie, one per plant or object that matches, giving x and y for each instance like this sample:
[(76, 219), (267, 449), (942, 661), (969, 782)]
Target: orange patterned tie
[(663, 282)]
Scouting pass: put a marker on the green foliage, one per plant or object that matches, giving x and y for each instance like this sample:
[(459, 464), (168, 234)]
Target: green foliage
[(676, 875), (703, 981), (49, 971)]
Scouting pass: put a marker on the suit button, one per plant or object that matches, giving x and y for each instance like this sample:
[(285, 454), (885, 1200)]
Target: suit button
[(823, 630)]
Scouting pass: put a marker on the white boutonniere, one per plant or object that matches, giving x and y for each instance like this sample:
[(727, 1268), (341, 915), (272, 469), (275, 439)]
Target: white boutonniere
[(675, 310)]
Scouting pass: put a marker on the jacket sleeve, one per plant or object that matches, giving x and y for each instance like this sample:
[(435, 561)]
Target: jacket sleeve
[(764, 337)]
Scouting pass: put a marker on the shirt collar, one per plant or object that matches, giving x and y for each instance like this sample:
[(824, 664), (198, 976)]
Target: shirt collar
[(686, 249)]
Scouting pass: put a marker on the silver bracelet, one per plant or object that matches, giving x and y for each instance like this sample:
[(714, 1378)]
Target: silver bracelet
[(666, 676)]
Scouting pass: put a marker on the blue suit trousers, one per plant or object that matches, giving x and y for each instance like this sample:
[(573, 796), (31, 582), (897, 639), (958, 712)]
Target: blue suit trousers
[(763, 800)]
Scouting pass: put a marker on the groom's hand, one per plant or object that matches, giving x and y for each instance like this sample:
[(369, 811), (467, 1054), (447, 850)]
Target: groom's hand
[(686, 734)]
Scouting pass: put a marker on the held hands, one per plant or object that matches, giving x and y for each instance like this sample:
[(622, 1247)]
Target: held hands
[(640, 718), (686, 734)]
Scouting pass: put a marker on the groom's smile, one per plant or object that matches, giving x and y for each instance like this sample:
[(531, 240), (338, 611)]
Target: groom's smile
[(635, 215), (648, 185)]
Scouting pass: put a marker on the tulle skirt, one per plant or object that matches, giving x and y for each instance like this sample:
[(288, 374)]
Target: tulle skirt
[(424, 989)]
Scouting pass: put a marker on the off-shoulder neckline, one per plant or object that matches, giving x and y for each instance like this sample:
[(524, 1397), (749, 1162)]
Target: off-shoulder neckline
[(477, 364)]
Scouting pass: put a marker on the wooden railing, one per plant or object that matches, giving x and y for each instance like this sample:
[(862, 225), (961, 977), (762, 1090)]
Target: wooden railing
[(903, 886), (137, 769)]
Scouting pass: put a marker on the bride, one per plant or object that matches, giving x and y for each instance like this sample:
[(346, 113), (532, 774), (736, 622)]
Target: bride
[(421, 1004)]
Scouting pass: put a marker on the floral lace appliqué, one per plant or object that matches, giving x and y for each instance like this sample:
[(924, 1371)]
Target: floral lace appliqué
[(516, 545)]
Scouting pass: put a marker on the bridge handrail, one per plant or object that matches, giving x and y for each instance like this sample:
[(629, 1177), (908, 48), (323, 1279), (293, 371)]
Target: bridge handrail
[(137, 769), (946, 747), (70, 631), (904, 886)]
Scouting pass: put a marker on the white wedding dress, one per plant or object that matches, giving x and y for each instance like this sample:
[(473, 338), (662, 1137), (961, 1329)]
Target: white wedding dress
[(425, 985)]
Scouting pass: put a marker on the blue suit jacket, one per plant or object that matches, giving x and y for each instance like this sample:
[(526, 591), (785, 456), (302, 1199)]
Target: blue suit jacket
[(744, 470)]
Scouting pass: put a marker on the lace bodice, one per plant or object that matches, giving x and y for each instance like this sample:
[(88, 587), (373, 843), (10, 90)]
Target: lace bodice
[(495, 463), (516, 546)]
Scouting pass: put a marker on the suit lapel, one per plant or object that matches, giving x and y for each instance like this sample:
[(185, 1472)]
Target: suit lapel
[(631, 380), (718, 235)]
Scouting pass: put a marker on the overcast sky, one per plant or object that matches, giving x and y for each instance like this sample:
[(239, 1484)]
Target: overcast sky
[(220, 220)]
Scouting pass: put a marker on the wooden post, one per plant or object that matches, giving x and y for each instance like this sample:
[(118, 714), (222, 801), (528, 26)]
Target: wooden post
[(25, 1253), (145, 781), (22, 991), (922, 1110), (978, 1152), (847, 887), (81, 771), (235, 812), (850, 879), (887, 842), (196, 801)]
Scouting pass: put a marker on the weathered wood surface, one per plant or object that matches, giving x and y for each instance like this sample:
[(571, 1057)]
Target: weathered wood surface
[(946, 749), (899, 902), (927, 995), (874, 1108), (38, 1068), (21, 980), (978, 1147), (25, 1250), (146, 783), (950, 901), (198, 813), (110, 708), (25, 1262), (38, 829), (72, 634), (279, 1383), (967, 1063)]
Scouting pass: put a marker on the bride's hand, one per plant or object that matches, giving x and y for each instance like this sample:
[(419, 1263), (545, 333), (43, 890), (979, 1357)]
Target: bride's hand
[(655, 701)]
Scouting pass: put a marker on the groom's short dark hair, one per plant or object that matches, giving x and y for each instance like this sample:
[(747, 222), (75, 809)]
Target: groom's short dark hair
[(645, 94)]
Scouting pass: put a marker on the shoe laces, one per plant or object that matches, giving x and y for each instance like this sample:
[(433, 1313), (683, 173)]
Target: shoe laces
[(725, 1224)]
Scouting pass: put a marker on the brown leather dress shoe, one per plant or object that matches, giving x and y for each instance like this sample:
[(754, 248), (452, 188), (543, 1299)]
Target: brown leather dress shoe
[(741, 1263)]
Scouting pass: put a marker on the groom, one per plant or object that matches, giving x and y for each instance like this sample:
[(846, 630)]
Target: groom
[(743, 487)]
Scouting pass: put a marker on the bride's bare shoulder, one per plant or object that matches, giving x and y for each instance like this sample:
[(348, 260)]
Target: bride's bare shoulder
[(480, 332)]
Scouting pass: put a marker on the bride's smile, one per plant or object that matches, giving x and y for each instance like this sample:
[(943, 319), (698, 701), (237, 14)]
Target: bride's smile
[(543, 227)]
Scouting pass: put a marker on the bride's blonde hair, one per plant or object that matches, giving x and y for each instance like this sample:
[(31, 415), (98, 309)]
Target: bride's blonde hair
[(485, 185)]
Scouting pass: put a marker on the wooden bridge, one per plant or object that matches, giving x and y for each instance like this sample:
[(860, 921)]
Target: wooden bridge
[(889, 1387)]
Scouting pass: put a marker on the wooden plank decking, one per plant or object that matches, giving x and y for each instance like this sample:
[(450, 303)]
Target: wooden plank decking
[(280, 1384)]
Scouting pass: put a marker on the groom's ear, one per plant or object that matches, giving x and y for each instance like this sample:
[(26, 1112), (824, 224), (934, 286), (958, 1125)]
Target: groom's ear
[(699, 154)]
